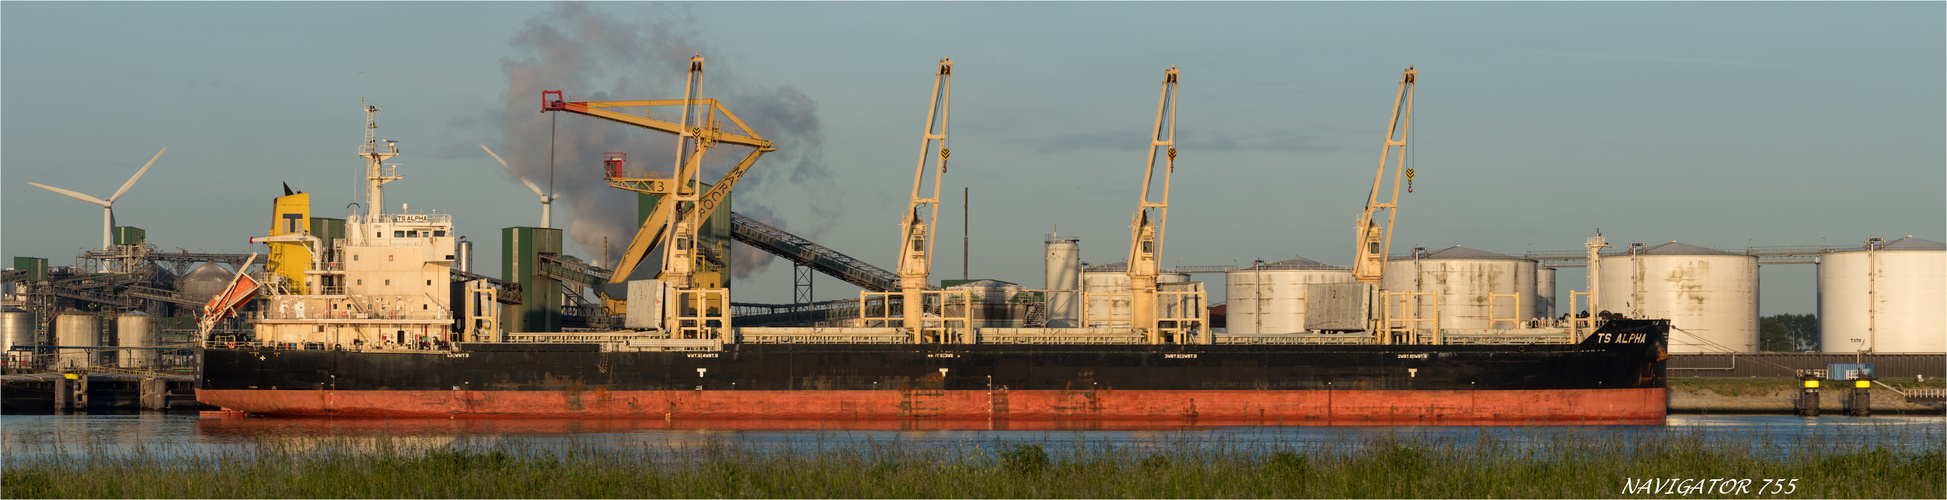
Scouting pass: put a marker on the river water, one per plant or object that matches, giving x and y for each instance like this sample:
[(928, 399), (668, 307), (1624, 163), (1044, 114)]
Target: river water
[(205, 434)]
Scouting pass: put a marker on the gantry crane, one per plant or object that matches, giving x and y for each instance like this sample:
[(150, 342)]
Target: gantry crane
[(1375, 242), (1145, 230), (916, 230), (680, 208)]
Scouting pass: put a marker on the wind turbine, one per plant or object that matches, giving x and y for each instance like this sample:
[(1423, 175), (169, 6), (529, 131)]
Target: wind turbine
[(108, 205), (546, 198)]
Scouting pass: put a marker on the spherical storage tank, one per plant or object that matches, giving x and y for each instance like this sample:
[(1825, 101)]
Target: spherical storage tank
[(77, 330), (1710, 296), (1465, 279), (1891, 297), (136, 329), (1270, 297)]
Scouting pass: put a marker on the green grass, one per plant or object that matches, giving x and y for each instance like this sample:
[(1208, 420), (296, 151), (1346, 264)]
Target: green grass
[(1890, 462)]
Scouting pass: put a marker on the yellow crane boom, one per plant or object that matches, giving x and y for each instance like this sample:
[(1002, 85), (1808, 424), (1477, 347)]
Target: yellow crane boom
[(1376, 242), (1146, 231), (916, 238), (681, 206)]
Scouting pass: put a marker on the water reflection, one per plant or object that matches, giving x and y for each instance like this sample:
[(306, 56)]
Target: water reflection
[(217, 433)]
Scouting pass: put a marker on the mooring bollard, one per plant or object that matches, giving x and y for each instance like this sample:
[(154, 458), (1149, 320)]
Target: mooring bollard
[(1808, 396), (1859, 402), (155, 394)]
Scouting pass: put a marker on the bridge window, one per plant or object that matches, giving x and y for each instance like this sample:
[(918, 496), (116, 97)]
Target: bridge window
[(439, 234), (398, 234)]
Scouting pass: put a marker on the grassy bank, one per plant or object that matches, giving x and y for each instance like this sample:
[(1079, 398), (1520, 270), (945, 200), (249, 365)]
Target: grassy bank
[(1543, 462)]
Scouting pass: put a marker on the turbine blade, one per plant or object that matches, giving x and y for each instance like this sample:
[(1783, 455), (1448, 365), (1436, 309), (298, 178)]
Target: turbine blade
[(503, 163), (138, 175), (78, 196), (510, 171)]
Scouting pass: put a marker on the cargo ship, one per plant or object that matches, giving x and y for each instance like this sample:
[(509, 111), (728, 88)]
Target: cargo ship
[(1615, 376), (369, 320)]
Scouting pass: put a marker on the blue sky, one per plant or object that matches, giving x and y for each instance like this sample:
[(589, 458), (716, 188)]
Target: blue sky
[(1715, 124)]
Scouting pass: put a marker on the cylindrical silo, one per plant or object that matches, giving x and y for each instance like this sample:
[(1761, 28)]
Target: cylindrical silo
[(136, 329), (1270, 297), (1884, 297), (1064, 272), (1107, 287), (77, 330), (465, 250), (1465, 280), (1710, 296), (17, 329), (1545, 292)]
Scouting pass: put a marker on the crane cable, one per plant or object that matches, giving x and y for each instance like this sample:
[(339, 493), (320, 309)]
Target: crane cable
[(552, 120), (1410, 146)]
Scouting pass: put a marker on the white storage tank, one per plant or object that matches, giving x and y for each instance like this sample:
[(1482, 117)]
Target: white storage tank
[(1465, 279), (77, 330), (1064, 272), (1889, 297), (136, 329), (1101, 281), (17, 329), (1269, 297), (1114, 279), (1710, 296)]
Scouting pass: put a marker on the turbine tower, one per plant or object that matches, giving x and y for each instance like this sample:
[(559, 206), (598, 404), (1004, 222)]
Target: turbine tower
[(547, 199), (108, 205)]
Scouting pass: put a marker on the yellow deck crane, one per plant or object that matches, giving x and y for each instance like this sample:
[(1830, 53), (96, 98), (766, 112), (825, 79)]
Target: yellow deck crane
[(1375, 242), (917, 229), (680, 208), (1146, 234)]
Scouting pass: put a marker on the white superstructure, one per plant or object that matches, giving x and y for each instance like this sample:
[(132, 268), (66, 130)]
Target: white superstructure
[(1884, 297), (389, 280)]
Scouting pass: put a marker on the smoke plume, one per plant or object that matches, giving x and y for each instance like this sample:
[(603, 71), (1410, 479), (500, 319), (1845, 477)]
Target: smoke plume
[(594, 56)]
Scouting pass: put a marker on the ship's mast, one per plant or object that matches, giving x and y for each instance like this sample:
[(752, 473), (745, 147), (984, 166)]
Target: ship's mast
[(376, 173)]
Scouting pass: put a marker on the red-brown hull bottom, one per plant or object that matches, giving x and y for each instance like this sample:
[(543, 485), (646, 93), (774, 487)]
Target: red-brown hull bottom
[(897, 409)]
